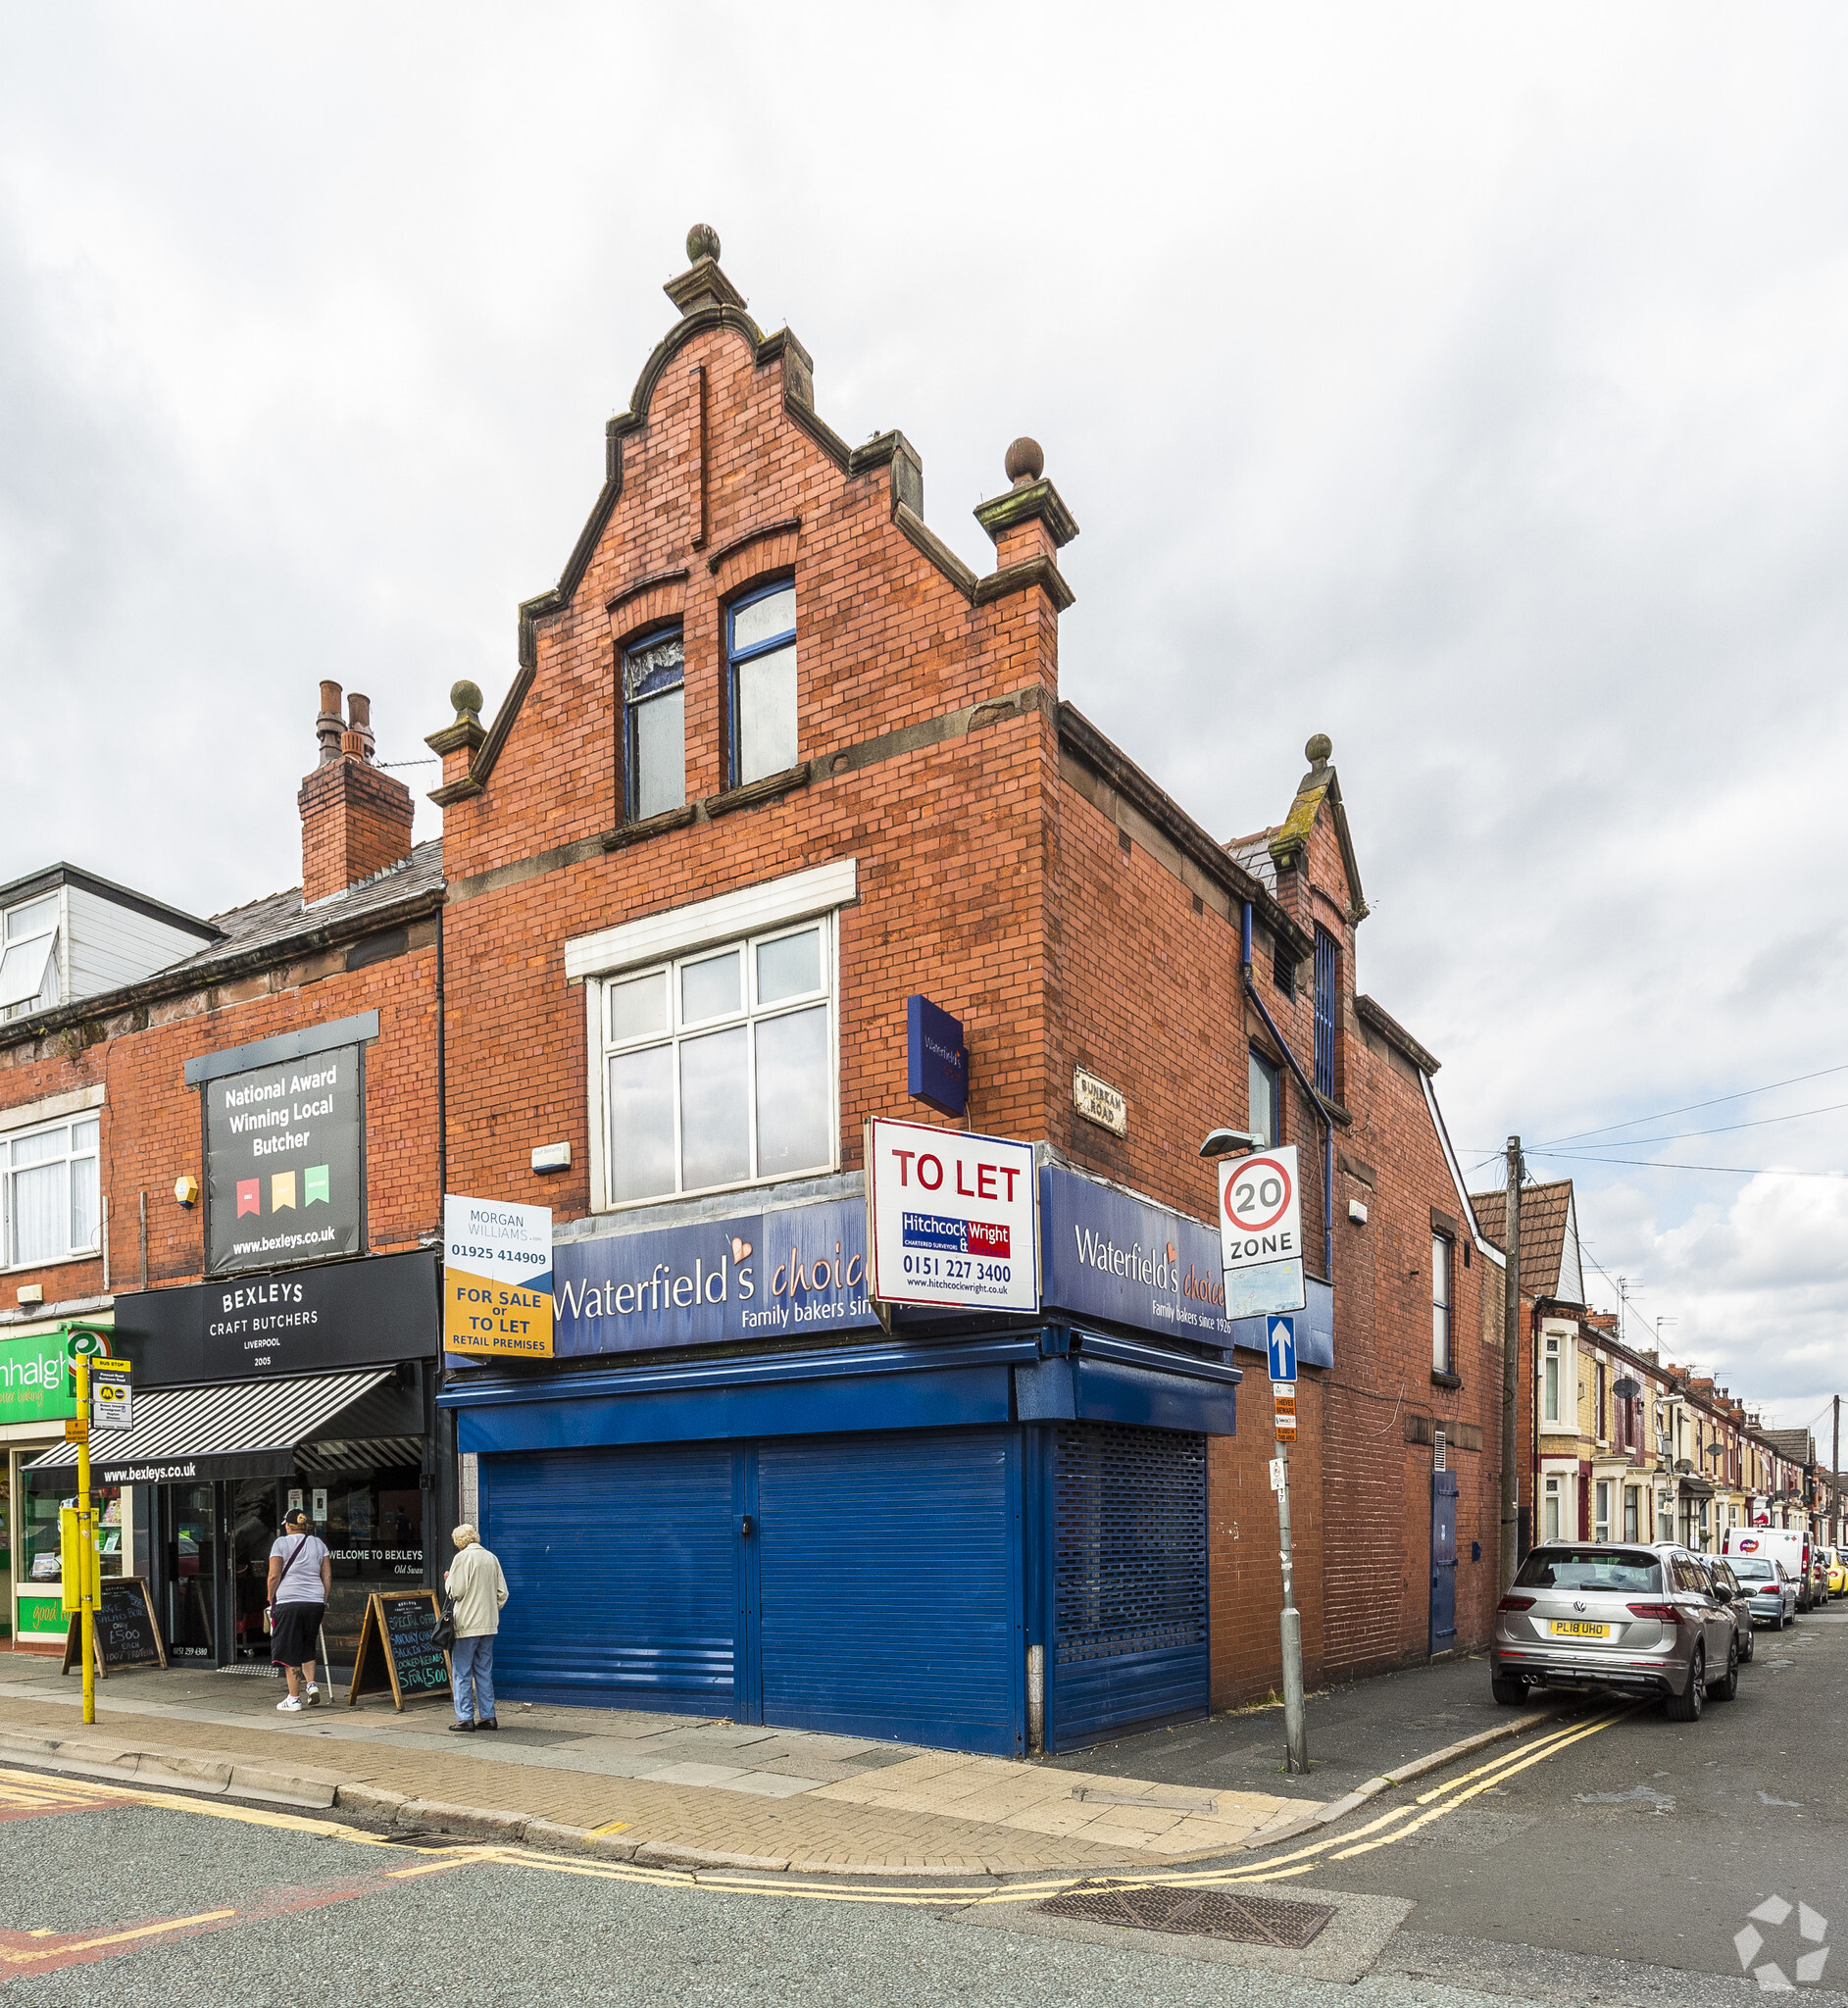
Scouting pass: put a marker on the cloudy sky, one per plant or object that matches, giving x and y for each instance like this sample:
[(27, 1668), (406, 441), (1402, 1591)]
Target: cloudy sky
[(1469, 383)]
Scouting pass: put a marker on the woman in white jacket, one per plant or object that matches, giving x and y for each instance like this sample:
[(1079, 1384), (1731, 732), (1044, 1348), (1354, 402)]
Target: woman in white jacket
[(476, 1591)]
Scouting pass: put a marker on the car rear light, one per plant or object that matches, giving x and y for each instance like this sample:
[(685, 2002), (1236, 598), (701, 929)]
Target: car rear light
[(1516, 1603), (1664, 1614)]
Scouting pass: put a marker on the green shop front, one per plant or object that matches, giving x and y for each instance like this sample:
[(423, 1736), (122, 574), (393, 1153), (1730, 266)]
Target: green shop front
[(37, 1397)]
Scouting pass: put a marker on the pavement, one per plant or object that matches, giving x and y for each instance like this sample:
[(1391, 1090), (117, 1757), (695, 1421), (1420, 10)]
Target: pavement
[(702, 1792)]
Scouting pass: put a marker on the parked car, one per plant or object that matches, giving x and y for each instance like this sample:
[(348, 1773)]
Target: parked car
[(1838, 1573), (1609, 1615), (1790, 1545), (1765, 1579), (1726, 1584)]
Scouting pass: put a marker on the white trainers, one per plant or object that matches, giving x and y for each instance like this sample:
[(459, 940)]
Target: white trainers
[(290, 1704), (314, 1693)]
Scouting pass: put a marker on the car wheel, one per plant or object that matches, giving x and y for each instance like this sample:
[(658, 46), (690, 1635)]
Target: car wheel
[(1687, 1706), (1724, 1689), (1751, 1645), (1511, 1694)]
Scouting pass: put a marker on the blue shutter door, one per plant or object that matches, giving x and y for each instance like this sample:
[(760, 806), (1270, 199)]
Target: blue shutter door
[(891, 1586), (622, 1571), (1129, 1644)]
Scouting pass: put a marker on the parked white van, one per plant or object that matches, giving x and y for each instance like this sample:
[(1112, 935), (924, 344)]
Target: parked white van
[(1789, 1545)]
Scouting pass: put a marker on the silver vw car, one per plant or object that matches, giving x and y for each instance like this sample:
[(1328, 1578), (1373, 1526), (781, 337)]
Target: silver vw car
[(1606, 1614)]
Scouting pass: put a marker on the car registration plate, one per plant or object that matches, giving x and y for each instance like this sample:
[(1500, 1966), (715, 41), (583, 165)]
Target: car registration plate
[(1574, 1628)]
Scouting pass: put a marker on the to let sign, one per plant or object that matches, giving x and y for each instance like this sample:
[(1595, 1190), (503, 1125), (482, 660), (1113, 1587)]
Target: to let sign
[(497, 1277), (951, 1219)]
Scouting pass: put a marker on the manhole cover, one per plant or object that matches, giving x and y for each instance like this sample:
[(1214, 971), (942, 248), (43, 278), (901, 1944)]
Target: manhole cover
[(1195, 1914)]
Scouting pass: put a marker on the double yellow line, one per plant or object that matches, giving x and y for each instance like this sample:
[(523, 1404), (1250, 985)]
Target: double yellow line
[(1386, 1828)]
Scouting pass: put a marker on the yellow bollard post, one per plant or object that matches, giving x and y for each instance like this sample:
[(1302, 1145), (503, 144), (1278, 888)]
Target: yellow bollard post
[(87, 1564)]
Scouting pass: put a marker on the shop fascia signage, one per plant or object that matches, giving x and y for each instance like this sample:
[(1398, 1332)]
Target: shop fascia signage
[(1123, 1261), (787, 1271), (497, 1278), (36, 1383), (953, 1218)]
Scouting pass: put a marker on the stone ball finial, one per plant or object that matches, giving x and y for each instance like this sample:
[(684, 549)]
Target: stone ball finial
[(702, 241), (466, 698), (1320, 749), (1024, 462)]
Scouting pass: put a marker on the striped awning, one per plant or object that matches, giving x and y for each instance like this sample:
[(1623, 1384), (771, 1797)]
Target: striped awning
[(247, 1429)]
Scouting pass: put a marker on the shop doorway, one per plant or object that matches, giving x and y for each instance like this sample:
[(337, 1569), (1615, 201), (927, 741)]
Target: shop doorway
[(190, 1549)]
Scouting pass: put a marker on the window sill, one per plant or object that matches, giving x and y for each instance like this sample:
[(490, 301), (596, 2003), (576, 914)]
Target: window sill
[(1452, 1380), (754, 792), (625, 833), (53, 1262)]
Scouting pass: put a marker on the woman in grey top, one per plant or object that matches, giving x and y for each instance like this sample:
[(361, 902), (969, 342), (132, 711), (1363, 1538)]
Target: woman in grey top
[(301, 1575)]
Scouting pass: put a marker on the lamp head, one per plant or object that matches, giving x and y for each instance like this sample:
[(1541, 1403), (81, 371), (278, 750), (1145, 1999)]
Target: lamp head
[(1230, 1143)]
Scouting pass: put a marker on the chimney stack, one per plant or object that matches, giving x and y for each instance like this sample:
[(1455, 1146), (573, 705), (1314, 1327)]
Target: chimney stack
[(356, 819)]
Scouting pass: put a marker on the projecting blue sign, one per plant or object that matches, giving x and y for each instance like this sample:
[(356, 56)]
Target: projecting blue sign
[(1280, 1337), (936, 1060)]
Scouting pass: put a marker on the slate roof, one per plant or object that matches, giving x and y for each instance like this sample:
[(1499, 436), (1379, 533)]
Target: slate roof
[(1550, 1265), (1254, 854), (282, 916), (1798, 1446)]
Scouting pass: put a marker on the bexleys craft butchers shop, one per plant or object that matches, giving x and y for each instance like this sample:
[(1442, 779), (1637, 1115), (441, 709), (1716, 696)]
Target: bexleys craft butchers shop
[(782, 833)]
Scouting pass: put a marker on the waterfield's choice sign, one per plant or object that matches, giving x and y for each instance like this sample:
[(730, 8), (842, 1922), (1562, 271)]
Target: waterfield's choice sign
[(1127, 1261), (1260, 1232), (752, 1275), (285, 1162), (497, 1278), (953, 1218)]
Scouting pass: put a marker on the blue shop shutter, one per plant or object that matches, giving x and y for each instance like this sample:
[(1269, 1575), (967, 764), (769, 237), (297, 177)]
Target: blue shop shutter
[(1129, 1644), (891, 1588), (621, 1575)]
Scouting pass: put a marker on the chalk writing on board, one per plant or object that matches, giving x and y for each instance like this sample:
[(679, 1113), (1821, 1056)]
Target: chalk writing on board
[(397, 1649)]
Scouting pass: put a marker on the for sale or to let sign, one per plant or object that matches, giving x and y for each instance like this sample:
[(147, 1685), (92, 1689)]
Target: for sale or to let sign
[(951, 1219), (497, 1278)]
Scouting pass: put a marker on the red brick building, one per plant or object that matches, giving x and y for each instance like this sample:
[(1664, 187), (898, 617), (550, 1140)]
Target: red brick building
[(769, 731)]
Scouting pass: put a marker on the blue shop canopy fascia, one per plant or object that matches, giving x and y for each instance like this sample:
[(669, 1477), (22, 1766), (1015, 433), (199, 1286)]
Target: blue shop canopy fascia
[(1019, 1376)]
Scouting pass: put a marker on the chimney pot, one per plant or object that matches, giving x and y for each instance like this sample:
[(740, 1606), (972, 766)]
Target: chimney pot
[(328, 726), (353, 744)]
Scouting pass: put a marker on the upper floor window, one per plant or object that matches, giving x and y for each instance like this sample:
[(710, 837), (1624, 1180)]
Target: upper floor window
[(1325, 994), (52, 1191), (29, 957), (1552, 1369), (719, 1067), (1441, 1265), (761, 660), (1265, 1111), (654, 725)]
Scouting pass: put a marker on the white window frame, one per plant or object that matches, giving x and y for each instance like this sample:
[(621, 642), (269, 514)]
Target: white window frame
[(1562, 1419), (1603, 1491), (1444, 1278), (60, 965), (617, 954), (35, 1118)]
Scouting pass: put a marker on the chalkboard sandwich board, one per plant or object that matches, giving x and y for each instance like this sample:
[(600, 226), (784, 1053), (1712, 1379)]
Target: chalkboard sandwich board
[(397, 1649), (128, 1633)]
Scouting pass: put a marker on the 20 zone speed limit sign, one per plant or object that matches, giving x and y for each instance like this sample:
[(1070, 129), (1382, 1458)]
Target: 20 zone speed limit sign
[(1261, 1210)]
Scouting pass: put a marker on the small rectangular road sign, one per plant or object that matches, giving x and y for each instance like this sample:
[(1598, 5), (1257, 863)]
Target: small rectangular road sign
[(1280, 1337)]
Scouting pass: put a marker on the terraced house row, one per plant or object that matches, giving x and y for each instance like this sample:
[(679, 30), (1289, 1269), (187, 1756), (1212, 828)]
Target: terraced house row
[(781, 824)]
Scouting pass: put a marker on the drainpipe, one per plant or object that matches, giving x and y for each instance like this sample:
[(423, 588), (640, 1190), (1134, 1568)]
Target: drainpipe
[(1307, 1085)]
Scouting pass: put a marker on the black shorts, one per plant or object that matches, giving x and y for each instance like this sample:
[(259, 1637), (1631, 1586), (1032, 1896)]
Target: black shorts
[(297, 1633)]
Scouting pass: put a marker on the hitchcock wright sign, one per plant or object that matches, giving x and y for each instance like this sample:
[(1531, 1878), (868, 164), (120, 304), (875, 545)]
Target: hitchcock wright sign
[(952, 1219)]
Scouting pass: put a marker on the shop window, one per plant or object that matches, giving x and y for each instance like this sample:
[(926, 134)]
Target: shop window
[(29, 957), (761, 660), (1442, 1264), (39, 1564), (719, 1067), (1263, 1118), (654, 725), (51, 1189), (1327, 994)]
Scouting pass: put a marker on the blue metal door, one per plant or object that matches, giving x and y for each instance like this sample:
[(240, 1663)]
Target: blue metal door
[(1128, 1643), (1443, 1560), (623, 1568), (890, 1587)]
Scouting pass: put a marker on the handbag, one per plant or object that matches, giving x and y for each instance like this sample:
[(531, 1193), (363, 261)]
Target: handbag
[(443, 1631)]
